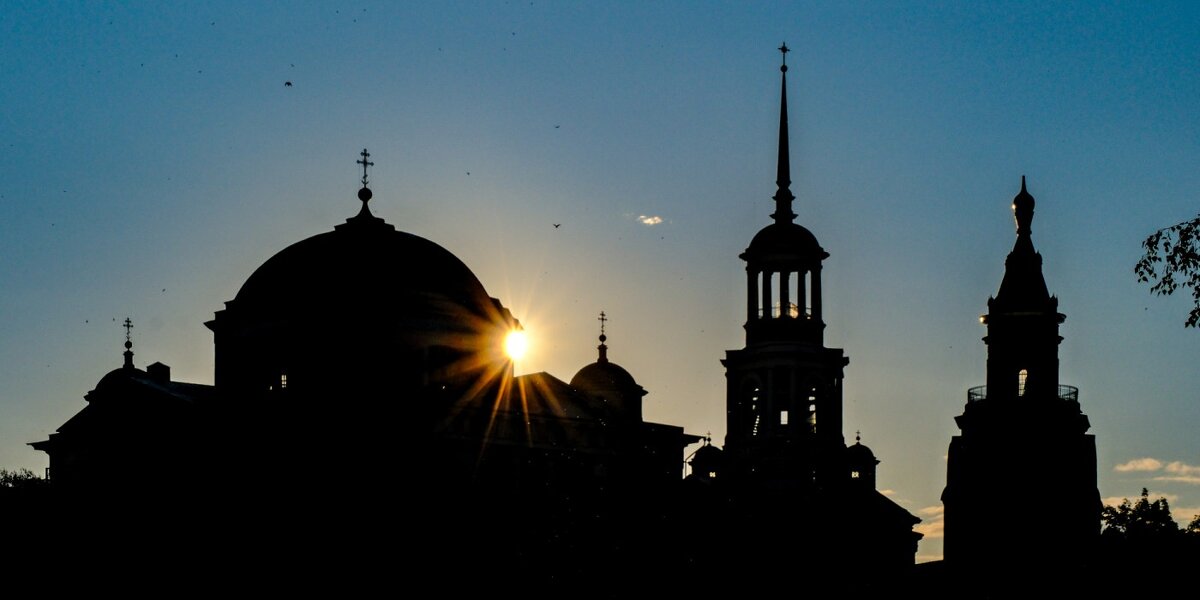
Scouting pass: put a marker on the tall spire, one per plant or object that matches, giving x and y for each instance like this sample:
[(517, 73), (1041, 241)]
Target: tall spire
[(783, 179), (128, 325), (603, 348)]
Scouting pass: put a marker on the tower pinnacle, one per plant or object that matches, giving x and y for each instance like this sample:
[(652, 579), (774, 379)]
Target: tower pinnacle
[(783, 196)]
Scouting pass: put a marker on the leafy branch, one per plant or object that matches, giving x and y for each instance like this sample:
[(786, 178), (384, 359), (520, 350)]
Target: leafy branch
[(1171, 261)]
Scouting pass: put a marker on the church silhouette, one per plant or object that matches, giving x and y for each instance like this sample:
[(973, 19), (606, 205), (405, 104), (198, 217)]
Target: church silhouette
[(362, 391)]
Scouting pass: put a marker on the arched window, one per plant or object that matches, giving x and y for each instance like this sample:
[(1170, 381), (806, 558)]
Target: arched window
[(1021, 377)]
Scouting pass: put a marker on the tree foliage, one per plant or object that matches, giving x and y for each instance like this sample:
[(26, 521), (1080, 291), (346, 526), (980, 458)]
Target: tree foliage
[(20, 479), (1141, 520), (1172, 261)]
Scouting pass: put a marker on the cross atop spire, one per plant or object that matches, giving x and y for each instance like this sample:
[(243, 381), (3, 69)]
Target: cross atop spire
[(128, 325), (364, 194), (603, 348), (365, 163), (783, 178)]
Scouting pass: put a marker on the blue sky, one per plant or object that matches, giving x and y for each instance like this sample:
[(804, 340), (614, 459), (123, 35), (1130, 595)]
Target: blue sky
[(153, 158)]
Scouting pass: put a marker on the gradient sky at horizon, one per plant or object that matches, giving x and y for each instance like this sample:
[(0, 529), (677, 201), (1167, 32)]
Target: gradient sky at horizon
[(153, 158)]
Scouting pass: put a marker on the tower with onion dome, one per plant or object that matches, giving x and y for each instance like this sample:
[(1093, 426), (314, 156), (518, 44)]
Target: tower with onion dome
[(1022, 433)]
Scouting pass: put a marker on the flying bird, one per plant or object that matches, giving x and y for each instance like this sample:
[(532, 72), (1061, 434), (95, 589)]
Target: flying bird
[(557, 225), (287, 84)]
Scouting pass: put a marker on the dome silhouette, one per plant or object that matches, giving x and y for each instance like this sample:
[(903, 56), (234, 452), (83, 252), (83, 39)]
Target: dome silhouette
[(364, 264), (785, 241)]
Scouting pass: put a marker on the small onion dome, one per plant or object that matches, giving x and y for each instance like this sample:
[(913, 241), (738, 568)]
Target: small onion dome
[(858, 454), (707, 454), (604, 376), (1022, 206)]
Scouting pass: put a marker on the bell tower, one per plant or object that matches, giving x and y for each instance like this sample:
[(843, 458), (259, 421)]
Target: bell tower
[(1022, 433), (784, 389)]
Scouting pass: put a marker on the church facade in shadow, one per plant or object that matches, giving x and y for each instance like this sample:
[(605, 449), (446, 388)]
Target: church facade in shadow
[(361, 389)]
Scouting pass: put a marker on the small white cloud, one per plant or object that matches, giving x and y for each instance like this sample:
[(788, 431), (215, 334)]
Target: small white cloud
[(1139, 464), (1190, 479), (932, 511), (932, 530), (649, 221), (1184, 515), (1180, 468), (935, 528), (1115, 501)]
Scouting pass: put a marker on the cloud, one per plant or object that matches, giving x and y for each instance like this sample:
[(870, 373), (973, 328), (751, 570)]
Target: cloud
[(1180, 468), (932, 530), (1190, 479), (649, 221), (1180, 472), (1139, 464), (932, 511), (936, 526), (1117, 500), (1185, 514)]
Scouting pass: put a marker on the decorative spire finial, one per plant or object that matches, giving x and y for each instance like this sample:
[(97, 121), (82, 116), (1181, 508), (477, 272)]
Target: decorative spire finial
[(603, 348), (364, 194), (858, 436), (783, 178), (1022, 207), (128, 325)]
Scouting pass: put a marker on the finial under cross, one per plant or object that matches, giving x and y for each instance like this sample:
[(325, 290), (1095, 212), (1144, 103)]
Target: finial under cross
[(858, 436), (365, 163)]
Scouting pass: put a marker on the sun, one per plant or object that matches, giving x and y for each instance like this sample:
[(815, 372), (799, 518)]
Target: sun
[(516, 344)]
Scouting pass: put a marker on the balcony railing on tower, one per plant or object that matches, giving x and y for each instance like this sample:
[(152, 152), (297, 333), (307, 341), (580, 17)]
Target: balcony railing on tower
[(1069, 393)]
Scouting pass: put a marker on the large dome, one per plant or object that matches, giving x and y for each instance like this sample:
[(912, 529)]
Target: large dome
[(362, 305), (364, 263)]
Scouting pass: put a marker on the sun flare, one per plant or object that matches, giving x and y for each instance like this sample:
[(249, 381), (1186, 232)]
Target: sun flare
[(516, 344)]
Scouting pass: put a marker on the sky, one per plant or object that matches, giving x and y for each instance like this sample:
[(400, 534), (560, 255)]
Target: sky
[(153, 157)]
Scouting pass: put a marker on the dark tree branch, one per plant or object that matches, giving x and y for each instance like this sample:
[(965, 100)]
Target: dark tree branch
[(1172, 261)]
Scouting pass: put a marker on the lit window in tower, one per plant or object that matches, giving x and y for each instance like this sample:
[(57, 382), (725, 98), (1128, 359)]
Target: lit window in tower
[(1021, 377), (783, 417)]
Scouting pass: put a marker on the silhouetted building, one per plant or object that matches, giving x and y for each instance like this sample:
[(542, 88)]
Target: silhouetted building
[(785, 458), (358, 371), (1023, 432), (361, 386)]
